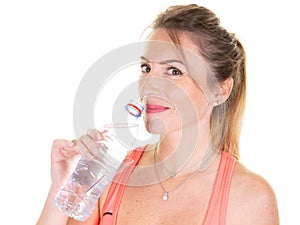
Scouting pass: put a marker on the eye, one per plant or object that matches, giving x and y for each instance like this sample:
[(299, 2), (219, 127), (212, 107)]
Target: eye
[(174, 71), (145, 68)]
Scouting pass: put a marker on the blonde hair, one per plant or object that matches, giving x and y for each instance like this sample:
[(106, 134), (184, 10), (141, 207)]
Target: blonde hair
[(226, 57)]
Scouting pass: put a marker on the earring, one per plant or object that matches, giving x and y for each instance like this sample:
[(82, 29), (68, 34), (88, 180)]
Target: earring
[(216, 103)]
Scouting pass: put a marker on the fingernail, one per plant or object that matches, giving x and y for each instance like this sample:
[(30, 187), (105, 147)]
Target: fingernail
[(70, 143)]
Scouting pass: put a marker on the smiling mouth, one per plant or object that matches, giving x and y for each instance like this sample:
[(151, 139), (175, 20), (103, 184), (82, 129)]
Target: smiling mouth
[(153, 108)]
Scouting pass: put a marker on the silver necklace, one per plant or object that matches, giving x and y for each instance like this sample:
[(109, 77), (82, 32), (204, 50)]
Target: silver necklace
[(165, 197), (171, 174)]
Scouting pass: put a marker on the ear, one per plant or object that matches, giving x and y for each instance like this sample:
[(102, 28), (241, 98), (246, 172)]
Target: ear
[(226, 88)]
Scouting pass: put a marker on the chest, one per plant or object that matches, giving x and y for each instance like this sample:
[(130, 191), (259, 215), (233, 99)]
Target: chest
[(145, 205)]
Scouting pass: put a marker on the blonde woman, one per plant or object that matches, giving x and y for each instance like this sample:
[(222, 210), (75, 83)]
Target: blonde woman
[(193, 86)]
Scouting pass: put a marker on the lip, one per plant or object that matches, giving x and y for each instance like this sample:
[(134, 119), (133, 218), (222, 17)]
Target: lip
[(154, 108)]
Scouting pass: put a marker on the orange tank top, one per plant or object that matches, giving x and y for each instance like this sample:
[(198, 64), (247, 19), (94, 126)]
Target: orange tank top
[(216, 212)]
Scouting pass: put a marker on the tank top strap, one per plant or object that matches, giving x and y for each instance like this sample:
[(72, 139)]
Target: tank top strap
[(116, 190), (216, 213)]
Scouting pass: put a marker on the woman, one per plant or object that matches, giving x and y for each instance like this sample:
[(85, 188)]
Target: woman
[(193, 84)]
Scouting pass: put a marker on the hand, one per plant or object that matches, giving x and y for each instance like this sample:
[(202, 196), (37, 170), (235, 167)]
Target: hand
[(64, 157), (65, 154), (96, 143)]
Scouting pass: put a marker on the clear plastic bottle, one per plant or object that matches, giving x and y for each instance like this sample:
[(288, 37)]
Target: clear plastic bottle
[(79, 196)]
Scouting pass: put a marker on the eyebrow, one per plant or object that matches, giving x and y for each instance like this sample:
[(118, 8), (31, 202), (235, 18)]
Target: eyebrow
[(164, 61)]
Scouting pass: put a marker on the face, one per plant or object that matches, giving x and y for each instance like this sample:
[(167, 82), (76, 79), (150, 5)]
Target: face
[(173, 98)]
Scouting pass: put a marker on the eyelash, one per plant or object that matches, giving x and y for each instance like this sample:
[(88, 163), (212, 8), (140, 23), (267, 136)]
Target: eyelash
[(146, 69), (178, 72)]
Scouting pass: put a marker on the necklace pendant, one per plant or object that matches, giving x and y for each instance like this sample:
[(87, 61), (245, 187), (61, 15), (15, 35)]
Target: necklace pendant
[(166, 196)]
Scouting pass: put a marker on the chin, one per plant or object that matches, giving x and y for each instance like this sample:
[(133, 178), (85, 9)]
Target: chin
[(155, 125), (161, 126)]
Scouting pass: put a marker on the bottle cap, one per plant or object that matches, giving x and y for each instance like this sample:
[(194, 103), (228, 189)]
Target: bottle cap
[(135, 108)]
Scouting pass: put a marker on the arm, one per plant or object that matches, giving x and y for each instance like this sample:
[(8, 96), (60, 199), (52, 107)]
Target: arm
[(64, 157), (262, 209), (252, 200), (51, 214)]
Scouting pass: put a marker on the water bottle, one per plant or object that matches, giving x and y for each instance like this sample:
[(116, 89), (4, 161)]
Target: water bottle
[(79, 196)]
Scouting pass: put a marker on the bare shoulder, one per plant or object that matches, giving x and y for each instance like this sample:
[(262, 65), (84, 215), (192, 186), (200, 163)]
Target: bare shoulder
[(252, 199)]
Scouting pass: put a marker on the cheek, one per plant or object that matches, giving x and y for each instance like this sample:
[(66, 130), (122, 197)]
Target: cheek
[(193, 105), (199, 100)]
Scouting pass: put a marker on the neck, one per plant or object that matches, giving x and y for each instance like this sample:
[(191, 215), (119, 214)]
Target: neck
[(186, 150)]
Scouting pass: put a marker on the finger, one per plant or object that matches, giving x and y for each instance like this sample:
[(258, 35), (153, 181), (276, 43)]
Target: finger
[(101, 139), (84, 150), (94, 134), (62, 143), (62, 149), (90, 144)]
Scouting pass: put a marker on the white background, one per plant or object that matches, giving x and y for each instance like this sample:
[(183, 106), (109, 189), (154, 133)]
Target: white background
[(47, 46)]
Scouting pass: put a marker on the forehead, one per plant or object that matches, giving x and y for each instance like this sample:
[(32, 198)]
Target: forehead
[(161, 47)]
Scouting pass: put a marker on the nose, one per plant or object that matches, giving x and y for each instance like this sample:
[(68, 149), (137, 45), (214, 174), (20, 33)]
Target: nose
[(150, 85)]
